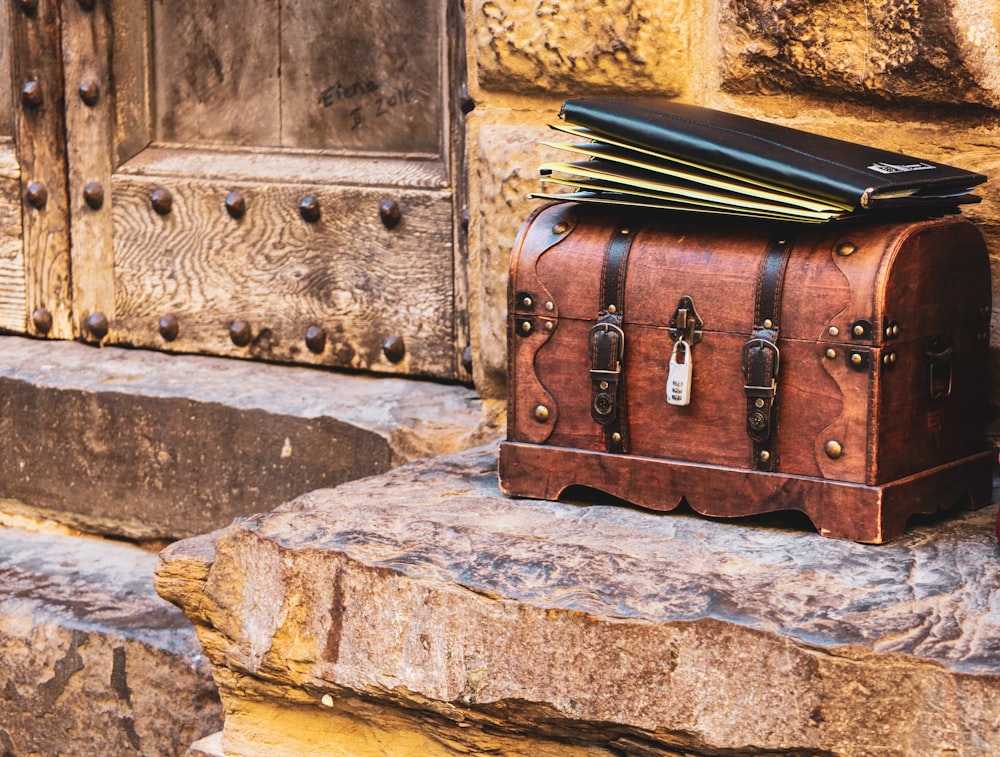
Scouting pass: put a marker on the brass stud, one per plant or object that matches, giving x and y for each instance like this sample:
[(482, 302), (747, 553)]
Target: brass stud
[(612, 309), (90, 93), (390, 213), (859, 330), (316, 339), (37, 195), (603, 385), (42, 319), (549, 325), (764, 455), (856, 358), (846, 248), (616, 437), (527, 302), (97, 325), (626, 232), (831, 353), (236, 205), (93, 195), (541, 414), (768, 323), (162, 201), (169, 327), (309, 209), (892, 357), (31, 94), (560, 228), (833, 449), (394, 349), (240, 333), (833, 331), (526, 327), (895, 329), (550, 306)]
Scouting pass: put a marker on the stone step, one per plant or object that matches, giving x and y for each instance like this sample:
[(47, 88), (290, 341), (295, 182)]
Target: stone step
[(422, 612), (154, 446), (93, 661)]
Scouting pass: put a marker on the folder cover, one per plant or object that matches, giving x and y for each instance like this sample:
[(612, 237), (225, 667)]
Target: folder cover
[(686, 157)]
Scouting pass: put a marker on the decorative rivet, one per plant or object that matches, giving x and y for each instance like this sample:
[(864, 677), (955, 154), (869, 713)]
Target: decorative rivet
[(895, 329), (560, 227), (526, 326), (37, 195), (97, 325), (309, 208), (831, 353), (390, 213), (394, 349), (833, 331), (846, 248), (236, 205), (541, 414), (549, 325), (316, 339), (29, 6), (31, 94), (892, 357), (90, 92), (93, 195), (616, 437), (625, 232), (169, 327), (859, 330), (856, 358), (768, 323), (240, 333), (758, 403), (604, 385), (527, 302), (612, 309), (42, 319), (550, 306), (765, 455), (87, 5), (162, 200), (833, 449)]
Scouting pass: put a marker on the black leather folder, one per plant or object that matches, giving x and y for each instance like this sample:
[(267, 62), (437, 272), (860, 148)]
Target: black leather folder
[(689, 157)]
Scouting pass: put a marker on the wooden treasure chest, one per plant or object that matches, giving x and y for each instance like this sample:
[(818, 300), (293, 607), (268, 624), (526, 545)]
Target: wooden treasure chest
[(747, 366)]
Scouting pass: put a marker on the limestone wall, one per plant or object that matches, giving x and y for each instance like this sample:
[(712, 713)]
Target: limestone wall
[(918, 76)]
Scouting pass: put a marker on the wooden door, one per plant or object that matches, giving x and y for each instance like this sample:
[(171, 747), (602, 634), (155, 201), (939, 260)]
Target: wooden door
[(272, 179)]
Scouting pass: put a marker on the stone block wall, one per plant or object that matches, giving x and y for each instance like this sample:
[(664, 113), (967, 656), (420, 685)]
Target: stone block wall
[(917, 76)]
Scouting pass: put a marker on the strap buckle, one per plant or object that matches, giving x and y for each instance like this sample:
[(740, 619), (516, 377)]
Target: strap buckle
[(608, 372), (762, 345)]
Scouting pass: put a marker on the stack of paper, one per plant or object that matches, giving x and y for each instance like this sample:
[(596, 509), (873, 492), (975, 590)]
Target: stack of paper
[(684, 157)]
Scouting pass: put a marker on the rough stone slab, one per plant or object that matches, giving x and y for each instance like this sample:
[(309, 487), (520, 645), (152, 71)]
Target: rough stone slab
[(926, 51), (431, 605), (637, 46), (92, 662), (149, 445)]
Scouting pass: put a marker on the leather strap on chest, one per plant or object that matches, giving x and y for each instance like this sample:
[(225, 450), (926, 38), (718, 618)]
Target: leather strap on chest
[(761, 358), (607, 344)]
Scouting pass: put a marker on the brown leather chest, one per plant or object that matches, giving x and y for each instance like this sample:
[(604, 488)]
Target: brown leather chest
[(838, 369)]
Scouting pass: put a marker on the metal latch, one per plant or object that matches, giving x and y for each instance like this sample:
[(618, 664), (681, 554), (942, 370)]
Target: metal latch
[(685, 323)]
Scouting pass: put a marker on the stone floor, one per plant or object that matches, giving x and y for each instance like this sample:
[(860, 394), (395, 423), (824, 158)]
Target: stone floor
[(422, 612)]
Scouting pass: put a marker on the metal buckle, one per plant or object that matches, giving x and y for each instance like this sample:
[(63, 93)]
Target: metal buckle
[(606, 327), (764, 344)]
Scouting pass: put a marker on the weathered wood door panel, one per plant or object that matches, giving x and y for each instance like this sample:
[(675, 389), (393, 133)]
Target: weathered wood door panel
[(34, 228), (259, 179)]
